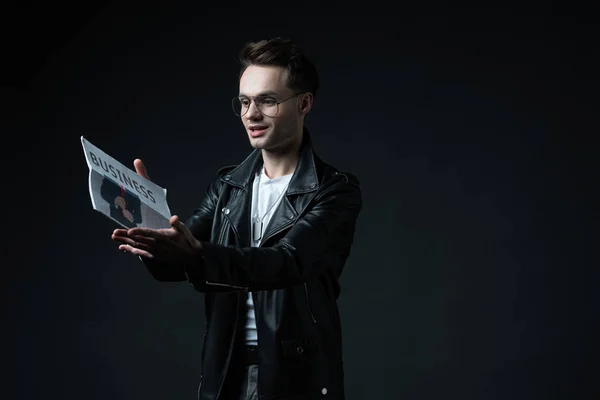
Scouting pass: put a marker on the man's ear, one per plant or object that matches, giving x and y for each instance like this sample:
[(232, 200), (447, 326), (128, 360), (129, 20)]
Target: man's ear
[(306, 103)]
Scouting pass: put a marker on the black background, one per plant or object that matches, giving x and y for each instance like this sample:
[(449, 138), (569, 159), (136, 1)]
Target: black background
[(473, 132)]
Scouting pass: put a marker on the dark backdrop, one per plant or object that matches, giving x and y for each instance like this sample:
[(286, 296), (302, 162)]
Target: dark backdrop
[(473, 132)]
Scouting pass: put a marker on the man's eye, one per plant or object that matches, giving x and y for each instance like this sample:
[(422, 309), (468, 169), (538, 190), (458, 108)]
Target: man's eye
[(244, 102), (269, 102)]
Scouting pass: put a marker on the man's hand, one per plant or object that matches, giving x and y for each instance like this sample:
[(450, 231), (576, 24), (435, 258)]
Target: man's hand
[(175, 245)]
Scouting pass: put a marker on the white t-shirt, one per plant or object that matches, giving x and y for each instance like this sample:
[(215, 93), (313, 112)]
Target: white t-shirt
[(270, 192)]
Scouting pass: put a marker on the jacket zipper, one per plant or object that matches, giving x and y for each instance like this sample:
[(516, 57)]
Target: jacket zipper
[(226, 285), (199, 387), (222, 234), (312, 316)]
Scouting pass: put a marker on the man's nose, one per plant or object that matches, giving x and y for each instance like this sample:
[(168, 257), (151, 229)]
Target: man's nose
[(253, 112)]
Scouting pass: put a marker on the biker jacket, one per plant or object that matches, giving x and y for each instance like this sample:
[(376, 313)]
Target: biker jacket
[(293, 276)]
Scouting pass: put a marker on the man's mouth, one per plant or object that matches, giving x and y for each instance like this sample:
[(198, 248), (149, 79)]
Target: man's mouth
[(257, 130)]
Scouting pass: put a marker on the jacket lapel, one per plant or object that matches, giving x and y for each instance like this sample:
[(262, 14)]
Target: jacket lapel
[(284, 216)]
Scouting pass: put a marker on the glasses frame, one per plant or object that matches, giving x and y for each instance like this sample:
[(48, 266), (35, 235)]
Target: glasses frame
[(253, 100)]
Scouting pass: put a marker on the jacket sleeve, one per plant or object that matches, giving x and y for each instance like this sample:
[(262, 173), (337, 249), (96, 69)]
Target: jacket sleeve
[(321, 238)]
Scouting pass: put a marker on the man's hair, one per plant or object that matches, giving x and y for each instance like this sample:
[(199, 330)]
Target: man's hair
[(282, 52)]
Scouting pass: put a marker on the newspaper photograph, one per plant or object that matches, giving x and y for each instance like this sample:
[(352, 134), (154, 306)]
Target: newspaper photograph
[(121, 194)]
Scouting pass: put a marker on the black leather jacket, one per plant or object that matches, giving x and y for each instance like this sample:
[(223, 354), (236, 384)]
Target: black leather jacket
[(293, 276)]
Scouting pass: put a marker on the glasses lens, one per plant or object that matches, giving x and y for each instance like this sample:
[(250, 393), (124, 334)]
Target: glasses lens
[(268, 107), (238, 108)]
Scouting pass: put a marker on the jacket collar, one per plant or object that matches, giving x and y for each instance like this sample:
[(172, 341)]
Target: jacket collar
[(305, 177)]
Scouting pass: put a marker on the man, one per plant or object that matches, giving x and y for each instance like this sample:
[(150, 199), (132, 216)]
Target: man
[(267, 244)]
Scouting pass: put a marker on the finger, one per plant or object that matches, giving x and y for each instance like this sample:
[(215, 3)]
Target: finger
[(146, 241), (140, 168), (134, 250), (120, 237), (160, 234), (142, 243), (181, 228), (123, 234), (120, 232)]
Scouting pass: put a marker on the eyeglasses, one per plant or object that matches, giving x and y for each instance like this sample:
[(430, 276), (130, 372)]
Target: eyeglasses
[(267, 105)]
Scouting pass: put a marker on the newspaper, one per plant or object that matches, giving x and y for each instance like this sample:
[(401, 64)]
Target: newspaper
[(121, 194)]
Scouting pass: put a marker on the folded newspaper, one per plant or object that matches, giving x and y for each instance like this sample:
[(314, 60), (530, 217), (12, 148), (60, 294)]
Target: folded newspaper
[(121, 194)]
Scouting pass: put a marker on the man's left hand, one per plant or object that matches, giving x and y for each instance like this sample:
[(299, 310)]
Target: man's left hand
[(175, 245)]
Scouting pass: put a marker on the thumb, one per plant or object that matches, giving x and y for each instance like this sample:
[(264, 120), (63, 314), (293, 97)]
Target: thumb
[(181, 228), (140, 168)]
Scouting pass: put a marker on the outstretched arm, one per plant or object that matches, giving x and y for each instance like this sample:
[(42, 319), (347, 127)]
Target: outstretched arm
[(321, 238), (318, 240)]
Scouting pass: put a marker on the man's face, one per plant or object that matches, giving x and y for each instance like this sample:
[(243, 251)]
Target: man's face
[(264, 86)]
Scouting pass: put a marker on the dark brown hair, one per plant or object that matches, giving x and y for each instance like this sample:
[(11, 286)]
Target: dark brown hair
[(282, 52)]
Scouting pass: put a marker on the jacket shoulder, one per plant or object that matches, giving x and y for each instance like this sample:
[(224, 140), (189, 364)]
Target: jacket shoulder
[(346, 177), (350, 178)]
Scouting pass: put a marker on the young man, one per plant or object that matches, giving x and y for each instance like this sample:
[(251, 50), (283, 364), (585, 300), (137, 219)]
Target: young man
[(266, 245)]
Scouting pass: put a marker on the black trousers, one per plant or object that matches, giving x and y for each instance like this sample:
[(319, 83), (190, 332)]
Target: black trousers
[(241, 382)]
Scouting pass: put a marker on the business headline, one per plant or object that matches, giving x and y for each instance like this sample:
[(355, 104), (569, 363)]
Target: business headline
[(121, 176)]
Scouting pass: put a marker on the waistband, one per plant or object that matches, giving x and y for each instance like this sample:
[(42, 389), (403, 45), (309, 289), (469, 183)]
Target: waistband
[(245, 354)]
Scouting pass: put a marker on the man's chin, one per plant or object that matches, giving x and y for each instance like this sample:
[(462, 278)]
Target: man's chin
[(258, 143)]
